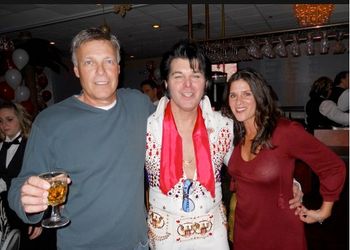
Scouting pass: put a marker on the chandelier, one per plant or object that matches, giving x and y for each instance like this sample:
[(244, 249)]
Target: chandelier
[(313, 14)]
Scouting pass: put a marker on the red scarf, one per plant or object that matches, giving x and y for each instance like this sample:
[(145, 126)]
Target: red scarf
[(171, 156)]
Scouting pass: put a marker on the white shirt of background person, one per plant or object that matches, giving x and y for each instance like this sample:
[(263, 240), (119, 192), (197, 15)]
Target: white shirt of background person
[(11, 151)]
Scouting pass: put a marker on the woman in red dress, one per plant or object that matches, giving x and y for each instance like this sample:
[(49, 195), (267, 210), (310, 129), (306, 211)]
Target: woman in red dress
[(262, 166)]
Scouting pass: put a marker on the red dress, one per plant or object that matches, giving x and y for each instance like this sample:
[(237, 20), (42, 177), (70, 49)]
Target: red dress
[(263, 220)]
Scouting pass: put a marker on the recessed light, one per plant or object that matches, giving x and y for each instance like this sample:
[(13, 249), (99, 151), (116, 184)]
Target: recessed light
[(132, 56), (156, 26), (52, 43)]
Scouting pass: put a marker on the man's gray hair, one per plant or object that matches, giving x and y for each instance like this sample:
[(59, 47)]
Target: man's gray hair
[(92, 34)]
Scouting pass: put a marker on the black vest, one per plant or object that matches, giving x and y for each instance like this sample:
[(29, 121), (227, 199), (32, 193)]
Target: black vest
[(7, 174), (15, 165)]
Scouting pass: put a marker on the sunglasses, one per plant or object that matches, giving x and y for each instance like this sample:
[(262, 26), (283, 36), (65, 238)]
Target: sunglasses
[(187, 203)]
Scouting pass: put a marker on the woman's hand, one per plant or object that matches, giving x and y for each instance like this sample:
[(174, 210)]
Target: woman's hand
[(312, 216), (296, 202)]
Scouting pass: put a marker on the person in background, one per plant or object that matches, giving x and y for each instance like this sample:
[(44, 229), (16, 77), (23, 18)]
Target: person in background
[(343, 101), (340, 84), (149, 87), (262, 165), (98, 138), (323, 113), (187, 144), (15, 124)]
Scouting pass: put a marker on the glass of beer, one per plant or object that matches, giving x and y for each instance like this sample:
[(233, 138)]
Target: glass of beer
[(57, 196)]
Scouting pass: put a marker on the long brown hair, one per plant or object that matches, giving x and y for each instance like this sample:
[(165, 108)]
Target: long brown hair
[(266, 114)]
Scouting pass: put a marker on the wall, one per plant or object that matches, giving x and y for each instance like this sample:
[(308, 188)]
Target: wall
[(135, 71)]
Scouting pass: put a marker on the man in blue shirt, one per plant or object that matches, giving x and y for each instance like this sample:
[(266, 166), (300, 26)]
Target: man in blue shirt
[(98, 138)]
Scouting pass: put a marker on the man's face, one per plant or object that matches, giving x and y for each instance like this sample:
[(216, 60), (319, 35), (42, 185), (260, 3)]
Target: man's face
[(185, 85), (98, 70)]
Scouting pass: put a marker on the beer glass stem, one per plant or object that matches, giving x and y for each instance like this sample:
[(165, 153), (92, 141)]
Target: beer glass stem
[(55, 213)]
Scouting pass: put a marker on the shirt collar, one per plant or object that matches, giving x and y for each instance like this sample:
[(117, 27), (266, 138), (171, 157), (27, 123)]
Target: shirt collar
[(7, 139)]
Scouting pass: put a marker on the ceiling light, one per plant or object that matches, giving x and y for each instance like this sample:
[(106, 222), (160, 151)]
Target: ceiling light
[(52, 43), (156, 26), (313, 14)]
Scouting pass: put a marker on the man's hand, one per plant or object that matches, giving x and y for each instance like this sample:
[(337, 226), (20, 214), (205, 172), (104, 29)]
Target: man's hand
[(34, 232), (34, 194)]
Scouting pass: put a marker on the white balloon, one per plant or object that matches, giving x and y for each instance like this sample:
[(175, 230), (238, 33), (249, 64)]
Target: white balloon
[(22, 93), (20, 58), (13, 77)]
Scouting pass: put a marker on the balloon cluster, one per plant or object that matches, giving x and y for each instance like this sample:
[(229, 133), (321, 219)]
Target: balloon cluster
[(12, 88), (12, 84)]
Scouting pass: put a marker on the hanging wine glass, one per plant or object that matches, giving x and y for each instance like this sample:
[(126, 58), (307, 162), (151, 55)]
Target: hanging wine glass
[(280, 48), (339, 47), (267, 49), (324, 43), (295, 48), (254, 49), (310, 48)]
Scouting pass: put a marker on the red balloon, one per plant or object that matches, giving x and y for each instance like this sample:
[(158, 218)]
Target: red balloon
[(46, 95), (6, 63), (28, 105), (42, 80), (39, 69), (9, 64), (6, 92)]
